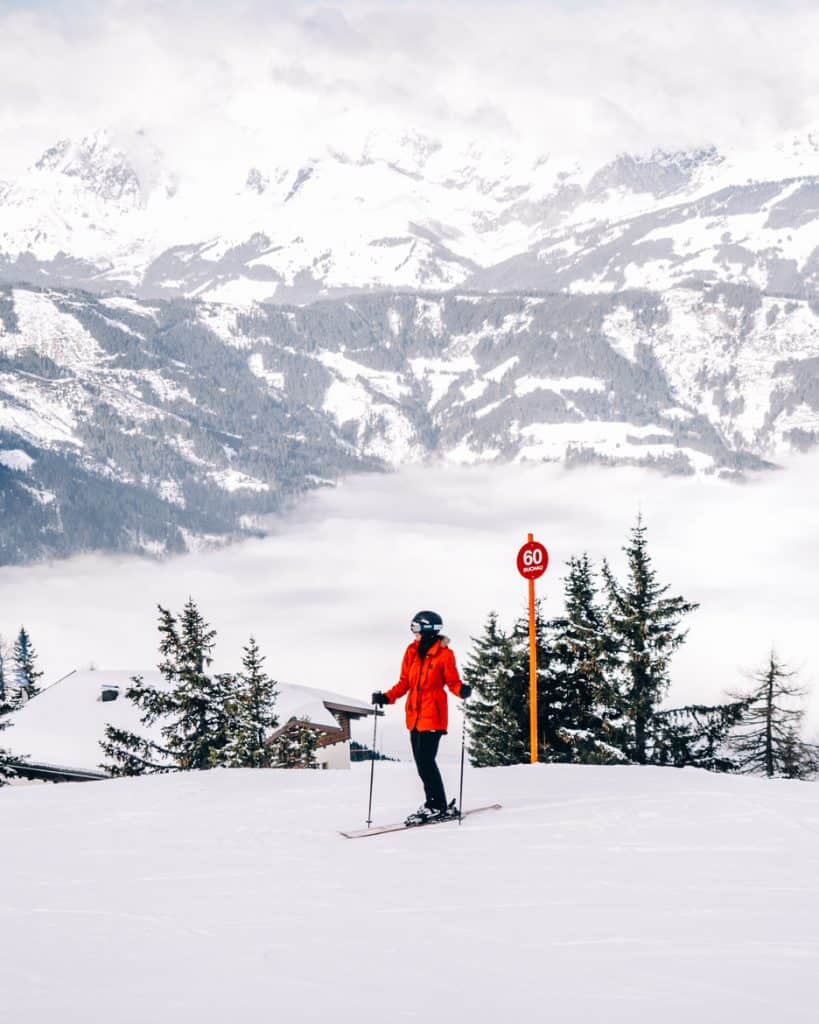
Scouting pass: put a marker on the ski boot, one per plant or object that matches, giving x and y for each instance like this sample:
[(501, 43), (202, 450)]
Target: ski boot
[(421, 816), (451, 810), (426, 815)]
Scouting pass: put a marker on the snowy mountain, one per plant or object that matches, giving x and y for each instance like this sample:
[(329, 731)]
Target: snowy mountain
[(478, 305), (604, 894), (151, 426), (410, 212)]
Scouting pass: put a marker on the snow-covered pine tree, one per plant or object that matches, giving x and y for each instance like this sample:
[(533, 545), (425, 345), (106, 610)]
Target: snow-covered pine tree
[(130, 754), (224, 700), (197, 725), (499, 696), (767, 740), (253, 713), (645, 625), (295, 747), (193, 709), (26, 673), (696, 736), (498, 711), (587, 725)]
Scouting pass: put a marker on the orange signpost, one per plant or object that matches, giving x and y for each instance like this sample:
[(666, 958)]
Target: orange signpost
[(533, 560)]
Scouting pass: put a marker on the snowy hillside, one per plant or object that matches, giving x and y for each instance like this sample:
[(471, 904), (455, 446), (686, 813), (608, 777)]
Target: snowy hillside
[(410, 211), (133, 427), (596, 894), (156, 425)]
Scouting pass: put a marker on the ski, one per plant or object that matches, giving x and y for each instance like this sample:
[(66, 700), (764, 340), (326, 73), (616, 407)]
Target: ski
[(379, 830)]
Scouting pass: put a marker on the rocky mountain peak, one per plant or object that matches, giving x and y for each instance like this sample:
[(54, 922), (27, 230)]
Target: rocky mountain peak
[(122, 168), (658, 174), (100, 165)]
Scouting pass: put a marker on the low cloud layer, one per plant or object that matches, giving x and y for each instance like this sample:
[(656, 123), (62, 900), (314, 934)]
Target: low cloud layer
[(330, 594), (218, 83)]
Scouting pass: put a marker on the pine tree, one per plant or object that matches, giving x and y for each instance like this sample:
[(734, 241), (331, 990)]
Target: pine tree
[(800, 760), (193, 709), (499, 700), (645, 625), (583, 659), (26, 673), (767, 740), (197, 723), (573, 723), (252, 713), (131, 754), (697, 736), (295, 747)]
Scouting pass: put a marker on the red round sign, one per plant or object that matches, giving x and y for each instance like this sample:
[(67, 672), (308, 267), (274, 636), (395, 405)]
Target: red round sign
[(533, 559)]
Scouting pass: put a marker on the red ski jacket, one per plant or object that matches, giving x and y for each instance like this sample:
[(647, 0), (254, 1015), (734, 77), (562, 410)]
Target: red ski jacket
[(424, 682)]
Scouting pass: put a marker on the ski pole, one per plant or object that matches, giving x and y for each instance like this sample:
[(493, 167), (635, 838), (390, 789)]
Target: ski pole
[(372, 768), (463, 748)]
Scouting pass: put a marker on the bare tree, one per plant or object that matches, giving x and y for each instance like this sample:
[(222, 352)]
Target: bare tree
[(767, 741)]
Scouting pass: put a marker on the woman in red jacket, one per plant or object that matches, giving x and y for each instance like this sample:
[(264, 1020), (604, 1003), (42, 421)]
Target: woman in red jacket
[(428, 667)]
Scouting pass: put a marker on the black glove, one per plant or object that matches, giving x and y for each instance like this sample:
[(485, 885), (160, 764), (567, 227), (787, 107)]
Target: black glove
[(466, 689), (379, 698)]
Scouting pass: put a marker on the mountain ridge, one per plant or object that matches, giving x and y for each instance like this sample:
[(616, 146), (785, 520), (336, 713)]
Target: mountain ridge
[(410, 211)]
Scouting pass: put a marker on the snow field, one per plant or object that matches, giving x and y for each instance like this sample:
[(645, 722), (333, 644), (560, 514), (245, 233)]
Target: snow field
[(596, 894)]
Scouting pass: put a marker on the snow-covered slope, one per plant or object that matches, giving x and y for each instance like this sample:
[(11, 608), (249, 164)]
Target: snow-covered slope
[(698, 378), (405, 210), (749, 231), (596, 894)]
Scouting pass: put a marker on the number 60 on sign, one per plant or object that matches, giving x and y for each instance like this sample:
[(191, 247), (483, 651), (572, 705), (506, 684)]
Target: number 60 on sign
[(533, 560)]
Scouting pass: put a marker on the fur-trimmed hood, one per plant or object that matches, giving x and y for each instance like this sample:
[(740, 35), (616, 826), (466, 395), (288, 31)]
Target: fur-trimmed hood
[(444, 640)]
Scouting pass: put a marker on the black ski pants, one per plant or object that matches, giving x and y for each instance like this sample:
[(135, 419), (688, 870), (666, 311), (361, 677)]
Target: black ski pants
[(425, 750)]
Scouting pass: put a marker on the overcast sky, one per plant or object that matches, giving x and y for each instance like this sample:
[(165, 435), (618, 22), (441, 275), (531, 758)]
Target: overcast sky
[(331, 593), (206, 80)]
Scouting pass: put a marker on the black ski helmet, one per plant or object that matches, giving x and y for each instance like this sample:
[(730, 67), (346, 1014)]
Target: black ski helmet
[(427, 623)]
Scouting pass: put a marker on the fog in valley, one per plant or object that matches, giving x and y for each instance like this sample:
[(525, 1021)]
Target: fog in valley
[(330, 593)]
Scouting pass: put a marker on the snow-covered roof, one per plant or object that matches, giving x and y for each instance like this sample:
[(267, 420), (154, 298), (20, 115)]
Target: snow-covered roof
[(63, 726), (296, 701)]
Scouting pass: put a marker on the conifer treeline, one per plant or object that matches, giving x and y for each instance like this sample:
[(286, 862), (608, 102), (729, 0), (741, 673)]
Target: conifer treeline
[(603, 673), (204, 720)]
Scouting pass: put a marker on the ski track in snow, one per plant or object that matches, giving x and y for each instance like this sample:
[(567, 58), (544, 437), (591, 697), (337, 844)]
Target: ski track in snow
[(595, 894)]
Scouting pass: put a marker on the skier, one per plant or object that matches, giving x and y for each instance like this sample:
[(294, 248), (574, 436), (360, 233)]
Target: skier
[(428, 666)]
